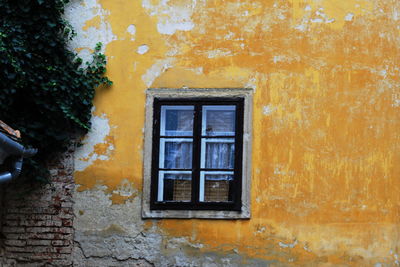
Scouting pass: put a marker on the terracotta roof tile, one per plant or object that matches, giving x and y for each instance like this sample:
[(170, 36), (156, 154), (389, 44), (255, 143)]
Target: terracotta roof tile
[(10, 132)]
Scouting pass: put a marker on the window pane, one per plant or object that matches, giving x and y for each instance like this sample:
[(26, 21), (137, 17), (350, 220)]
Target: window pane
[(176, 120), (176, 153), (215, 186), (218, 153), (174, 186), (218, 120)]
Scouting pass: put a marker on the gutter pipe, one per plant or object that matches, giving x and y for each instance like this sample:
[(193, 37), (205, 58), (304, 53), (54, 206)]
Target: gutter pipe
[(9, 147)]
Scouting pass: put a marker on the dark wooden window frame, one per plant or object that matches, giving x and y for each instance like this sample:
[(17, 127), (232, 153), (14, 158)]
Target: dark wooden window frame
[(195, 204)]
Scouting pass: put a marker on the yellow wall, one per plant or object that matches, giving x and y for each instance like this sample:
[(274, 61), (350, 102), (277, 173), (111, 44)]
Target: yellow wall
[(326, 119)]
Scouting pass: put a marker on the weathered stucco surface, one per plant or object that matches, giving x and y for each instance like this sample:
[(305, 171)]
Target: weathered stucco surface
[(326, 142)]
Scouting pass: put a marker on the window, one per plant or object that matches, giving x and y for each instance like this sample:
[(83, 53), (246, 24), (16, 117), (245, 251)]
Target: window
[(196, 153)]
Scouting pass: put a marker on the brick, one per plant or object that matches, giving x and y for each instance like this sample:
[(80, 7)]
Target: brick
[(16, 236), (11, 223), (61, 243), (38, 223), (50, 236), (38, 242), (67, 222), (42, 217), (67, 211), (35, 210), (17, 203), (62, 230), (66, 204), (41, 236), (63, 250), (63, 216), (51, 256), (40, 249), (63, 236), (46, 256), (13, 216), (39, 230), (17, 249), (15, 243), (27, 264), (10, 229), (35, 236)]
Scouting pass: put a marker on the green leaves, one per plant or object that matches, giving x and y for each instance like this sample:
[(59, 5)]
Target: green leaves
[(45, 92)]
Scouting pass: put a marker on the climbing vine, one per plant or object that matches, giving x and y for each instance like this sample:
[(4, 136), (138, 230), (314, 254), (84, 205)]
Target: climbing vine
[(46, 90)]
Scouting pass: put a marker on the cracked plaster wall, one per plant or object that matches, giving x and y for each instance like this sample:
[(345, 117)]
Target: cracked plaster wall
[(325, 187)]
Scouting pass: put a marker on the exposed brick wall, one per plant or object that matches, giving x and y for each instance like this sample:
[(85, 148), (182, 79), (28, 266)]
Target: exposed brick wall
[(37, 220)]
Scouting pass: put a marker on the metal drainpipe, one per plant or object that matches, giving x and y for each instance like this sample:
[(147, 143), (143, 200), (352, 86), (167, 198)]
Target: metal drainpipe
[(11, 148)]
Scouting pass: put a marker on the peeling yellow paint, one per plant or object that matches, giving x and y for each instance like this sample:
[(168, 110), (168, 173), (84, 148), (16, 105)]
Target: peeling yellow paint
[(326, 155), (117, 199), (94, 22), (334, 14)]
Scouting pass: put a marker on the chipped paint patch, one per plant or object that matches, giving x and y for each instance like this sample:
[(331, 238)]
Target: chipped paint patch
[(349, 17), (395, 100), (86, 154), (90, 25), (156, 70), (124, 192), (288, 245), (218, 53), (320, 17), (332, 13), (268, 109), (132, 31), (125, 189), (143, 49), (171, 18)]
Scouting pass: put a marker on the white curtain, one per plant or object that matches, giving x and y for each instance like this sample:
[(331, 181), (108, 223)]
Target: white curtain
[(178, 155), (220, 155)]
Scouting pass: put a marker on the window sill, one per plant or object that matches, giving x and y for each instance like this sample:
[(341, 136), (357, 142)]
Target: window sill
[(196, 214)]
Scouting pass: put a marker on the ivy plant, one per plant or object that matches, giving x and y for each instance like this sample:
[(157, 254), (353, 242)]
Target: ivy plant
[(46, 90)]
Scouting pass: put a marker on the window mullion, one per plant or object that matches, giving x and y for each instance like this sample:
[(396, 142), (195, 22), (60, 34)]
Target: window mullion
[(196, 154)]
